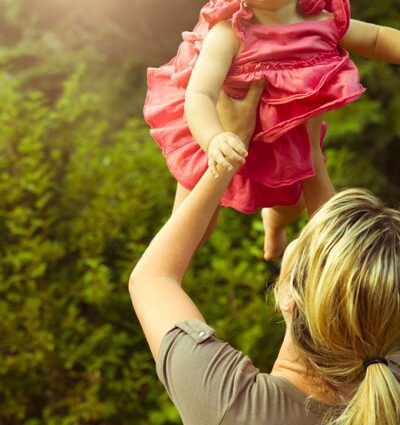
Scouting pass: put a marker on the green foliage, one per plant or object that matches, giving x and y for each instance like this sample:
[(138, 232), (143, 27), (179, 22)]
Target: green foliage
[(71, 351), (84, 188)]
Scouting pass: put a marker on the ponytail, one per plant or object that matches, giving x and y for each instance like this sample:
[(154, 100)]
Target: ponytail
[(376, 401)]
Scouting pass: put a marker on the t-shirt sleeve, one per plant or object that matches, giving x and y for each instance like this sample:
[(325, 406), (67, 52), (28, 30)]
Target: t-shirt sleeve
[(201, 373)]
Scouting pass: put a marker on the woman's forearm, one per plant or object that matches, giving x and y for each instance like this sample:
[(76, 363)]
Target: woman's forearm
[(388, 45), (202, 118), (170, 252)]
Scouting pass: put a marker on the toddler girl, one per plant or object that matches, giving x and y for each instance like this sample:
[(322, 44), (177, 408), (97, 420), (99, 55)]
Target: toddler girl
[(298, 48)]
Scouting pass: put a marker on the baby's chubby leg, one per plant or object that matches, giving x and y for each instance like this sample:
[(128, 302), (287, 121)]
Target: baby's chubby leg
[(275, 221), (316, 191)]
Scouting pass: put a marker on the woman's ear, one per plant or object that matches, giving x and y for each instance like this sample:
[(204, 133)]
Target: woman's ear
[(286, 302), (288, 305)]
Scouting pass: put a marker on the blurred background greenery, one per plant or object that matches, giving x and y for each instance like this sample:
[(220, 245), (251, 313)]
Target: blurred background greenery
[(83, 188)]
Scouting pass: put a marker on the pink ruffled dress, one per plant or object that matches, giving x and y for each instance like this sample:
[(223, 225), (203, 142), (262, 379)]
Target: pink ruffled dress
[(307, 73)]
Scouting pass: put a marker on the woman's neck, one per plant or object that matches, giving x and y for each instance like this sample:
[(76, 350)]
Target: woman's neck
[(291, 366), (278, 12)]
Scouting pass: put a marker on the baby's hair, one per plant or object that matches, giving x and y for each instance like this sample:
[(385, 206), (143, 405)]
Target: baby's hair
[(345, 279)]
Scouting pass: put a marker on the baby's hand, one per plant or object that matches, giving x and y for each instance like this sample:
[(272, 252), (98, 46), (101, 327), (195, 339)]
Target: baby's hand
[(226, 150)]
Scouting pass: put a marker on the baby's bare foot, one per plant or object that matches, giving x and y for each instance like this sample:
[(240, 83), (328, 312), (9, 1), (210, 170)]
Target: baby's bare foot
[(275, 238)]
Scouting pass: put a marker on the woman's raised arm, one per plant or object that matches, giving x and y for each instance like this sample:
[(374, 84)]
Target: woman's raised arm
[(155, 283)]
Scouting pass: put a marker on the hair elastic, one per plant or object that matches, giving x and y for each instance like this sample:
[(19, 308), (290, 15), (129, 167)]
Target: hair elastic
[(374, 360)]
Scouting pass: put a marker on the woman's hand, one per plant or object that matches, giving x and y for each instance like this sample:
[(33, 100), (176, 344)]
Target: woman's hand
[(238, 117)]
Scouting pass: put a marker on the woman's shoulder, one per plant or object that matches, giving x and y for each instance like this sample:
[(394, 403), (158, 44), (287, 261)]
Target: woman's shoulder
[(199, 339), (202, 374)]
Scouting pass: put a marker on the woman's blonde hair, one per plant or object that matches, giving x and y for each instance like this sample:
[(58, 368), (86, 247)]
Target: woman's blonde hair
[(345, 280)]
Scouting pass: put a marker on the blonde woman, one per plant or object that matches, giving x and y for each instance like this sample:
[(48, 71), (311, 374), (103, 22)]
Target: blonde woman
[(339, 293)]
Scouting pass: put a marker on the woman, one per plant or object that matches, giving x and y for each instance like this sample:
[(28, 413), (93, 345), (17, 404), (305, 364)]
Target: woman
[(339, 293)]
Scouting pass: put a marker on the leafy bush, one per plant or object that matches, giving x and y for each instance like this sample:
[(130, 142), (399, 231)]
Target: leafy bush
[(71, 225)]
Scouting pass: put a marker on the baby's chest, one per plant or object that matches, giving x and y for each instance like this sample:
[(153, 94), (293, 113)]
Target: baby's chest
[(283, 47)]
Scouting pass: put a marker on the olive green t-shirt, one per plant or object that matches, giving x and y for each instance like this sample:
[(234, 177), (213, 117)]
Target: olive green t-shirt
[(211, 383)]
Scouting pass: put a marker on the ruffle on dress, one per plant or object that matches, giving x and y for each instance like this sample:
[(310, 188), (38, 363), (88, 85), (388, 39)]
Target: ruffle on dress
[(221, 10), (339, 8)]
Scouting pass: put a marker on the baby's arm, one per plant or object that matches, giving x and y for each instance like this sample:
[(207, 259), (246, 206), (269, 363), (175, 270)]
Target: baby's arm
[(215, 58), (372, 41)]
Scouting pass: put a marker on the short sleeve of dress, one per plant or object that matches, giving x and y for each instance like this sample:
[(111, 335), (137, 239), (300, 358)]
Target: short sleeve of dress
[(341, 11), (201, 373), (224, 10), (211, 13), (219, 10)]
